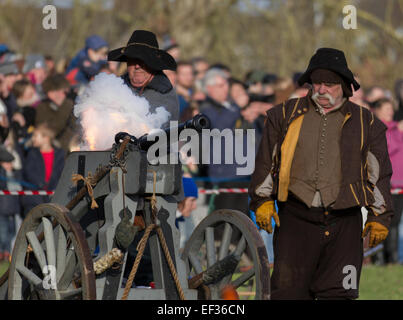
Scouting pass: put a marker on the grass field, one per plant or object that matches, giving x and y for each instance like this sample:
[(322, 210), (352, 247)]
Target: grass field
[(377, 283)]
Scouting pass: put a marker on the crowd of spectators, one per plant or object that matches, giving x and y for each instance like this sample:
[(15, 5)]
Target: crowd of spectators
[(38, 128)]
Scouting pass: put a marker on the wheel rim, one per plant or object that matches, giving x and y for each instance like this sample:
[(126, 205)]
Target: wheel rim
[(51, 259), (220, 234)]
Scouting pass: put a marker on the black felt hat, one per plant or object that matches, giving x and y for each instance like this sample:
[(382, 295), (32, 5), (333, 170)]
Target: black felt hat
[(143, 45), (330, 59)]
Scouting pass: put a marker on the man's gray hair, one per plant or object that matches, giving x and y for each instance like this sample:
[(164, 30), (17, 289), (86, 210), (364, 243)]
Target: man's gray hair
[(210, 77)]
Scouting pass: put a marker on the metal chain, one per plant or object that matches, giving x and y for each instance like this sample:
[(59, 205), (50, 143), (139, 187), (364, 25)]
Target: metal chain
[(115, 161)]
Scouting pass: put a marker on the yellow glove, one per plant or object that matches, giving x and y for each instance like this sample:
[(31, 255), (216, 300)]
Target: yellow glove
[(378, 233), (264, 214)]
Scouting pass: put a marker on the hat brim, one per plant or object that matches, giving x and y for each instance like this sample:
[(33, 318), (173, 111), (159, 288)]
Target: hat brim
[(154, 58), (348, 76), (5, 156)]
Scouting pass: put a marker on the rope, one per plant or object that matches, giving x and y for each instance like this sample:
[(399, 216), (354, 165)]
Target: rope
[(140, 248), (170, 263), (142, 244), (104, 263), (89, 182)]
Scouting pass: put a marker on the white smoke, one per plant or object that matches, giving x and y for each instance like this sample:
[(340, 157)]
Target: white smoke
[(108, 106)]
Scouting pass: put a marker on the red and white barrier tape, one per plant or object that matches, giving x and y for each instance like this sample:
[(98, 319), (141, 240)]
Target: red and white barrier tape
[(223, 190), (245, 190), (201, 190), (26, 193)]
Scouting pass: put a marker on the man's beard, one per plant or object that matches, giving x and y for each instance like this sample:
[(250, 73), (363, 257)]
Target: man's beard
[(316, 96)]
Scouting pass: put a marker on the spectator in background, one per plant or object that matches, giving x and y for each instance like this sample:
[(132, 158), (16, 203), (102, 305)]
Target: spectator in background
[(200, 67), (269, 83), (373, 94), (42, 166), (27, 100), (399, 98), (171, 47), (88, 61), (35, 70), (57, 110), (299, 91), (171, 75), (8, 76), (3, 51), (254, 81), (283, 89), (223, 114), (184, 84), (223, 67), (50, 65), (238, 92), (9, 205), (184, 221), (358, 96), (384, 110)]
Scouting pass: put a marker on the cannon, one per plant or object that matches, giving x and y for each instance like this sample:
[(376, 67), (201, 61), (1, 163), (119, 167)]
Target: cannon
[(76, 246)]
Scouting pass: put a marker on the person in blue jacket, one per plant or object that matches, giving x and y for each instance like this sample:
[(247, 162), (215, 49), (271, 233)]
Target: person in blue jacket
[(88, 61)]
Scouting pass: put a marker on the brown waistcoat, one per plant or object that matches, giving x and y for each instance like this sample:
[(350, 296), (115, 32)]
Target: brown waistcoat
[(315, 175)]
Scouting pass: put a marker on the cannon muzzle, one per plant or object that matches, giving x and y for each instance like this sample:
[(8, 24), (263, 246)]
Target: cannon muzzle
[(198, 123)]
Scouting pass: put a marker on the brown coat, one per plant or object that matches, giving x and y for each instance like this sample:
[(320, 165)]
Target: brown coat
[(60, 119), (366, 168)]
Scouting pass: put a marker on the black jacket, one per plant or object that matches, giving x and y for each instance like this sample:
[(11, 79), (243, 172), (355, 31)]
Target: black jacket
[(9, 205), (34, 173)]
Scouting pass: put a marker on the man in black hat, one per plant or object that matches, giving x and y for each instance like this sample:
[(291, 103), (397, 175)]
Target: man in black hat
[(322, 158), (145, 65), (145, 77)]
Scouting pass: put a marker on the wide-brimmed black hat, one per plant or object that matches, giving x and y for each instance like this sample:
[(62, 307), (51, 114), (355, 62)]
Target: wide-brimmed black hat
[(330, 59), (143, 45)]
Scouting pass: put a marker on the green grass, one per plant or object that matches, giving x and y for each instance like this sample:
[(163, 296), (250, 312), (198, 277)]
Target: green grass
[(381, 283), (3, 267)]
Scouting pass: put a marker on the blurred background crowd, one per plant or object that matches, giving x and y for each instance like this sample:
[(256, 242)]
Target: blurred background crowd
[(38, 128)]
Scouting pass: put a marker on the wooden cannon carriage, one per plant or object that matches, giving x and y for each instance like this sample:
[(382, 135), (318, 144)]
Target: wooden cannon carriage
[(75, 247)]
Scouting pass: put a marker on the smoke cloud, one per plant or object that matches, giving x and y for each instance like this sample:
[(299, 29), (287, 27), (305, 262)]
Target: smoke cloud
[(108, 106)]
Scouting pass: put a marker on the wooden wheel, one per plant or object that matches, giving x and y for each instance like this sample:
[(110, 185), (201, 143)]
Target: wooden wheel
[(221, 234), (51, 259)]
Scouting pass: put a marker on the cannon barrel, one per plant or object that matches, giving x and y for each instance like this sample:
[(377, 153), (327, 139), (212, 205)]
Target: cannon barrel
[(198, 123)]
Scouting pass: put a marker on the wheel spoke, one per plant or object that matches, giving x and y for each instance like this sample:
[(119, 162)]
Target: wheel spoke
[(29, 275), (61, 252), (65, 294), (240, 248), (49, 241), (210, 246), (67, 275), (195, 263), (37, 248), (225, 241), (243, 278)]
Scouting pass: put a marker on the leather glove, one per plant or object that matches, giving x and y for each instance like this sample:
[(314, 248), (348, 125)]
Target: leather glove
[(377, 233), (264, 213)]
